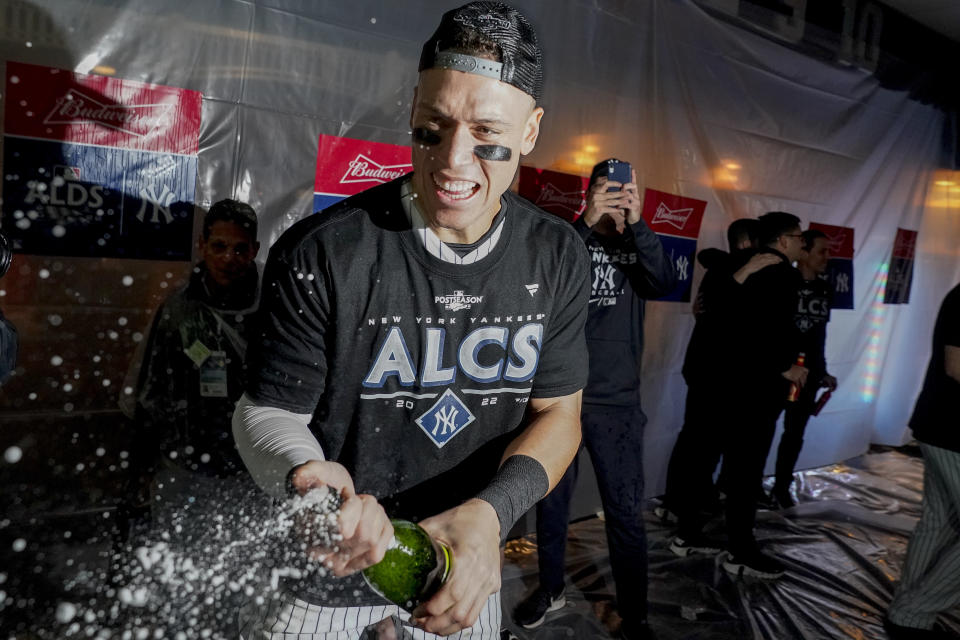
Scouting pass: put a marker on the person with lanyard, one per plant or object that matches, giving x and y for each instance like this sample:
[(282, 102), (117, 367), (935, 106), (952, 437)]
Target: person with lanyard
[(420, 350), (192, 371)]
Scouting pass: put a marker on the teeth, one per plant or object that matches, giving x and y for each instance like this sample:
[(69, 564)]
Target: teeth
[(456, 188)]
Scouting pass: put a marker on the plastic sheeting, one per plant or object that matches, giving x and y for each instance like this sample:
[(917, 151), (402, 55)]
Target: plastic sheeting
[(661, 83), (843, 545)]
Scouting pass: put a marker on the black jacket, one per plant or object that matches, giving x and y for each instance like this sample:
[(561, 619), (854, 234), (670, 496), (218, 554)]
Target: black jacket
[(715, 297), (745, 334), (764, 337), (177, 407)]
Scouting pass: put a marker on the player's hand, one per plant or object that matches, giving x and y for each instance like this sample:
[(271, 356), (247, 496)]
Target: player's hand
[(829, 382), (364, 526), (473, 532), (797, 375), (754, 264)]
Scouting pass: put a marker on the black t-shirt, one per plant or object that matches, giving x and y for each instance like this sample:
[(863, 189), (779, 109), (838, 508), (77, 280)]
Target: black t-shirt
[(934, 417), (418, 371), (813, 314)]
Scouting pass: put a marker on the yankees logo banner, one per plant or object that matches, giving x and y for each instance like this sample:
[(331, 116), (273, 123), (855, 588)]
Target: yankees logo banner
[(346, 166), (561, 194), (98, 166), (840, 266), (676, 220), (900, 275)]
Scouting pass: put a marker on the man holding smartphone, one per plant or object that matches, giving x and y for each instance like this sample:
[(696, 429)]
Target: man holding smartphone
[(629, 265)]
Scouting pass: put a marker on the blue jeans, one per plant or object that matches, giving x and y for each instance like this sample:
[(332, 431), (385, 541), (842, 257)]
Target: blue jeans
[(614, 439)]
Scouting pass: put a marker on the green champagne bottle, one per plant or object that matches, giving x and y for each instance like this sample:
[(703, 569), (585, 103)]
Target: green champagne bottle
[(414, 567)]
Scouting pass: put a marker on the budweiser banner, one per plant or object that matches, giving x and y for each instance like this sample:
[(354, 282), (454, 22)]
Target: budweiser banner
[(840, 267), (98, 166), (900, 275), (346, 166), (676, 219), (559, 193)]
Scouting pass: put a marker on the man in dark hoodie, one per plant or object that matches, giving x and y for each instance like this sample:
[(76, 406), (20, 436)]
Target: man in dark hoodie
[(193, 365), (690, 490), (629, 265), (761, 352)]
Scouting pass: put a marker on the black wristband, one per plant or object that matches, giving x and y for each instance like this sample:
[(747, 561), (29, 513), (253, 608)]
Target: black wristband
[(519, 484)]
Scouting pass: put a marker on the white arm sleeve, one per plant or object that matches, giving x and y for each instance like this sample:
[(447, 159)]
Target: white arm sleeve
[(271, 442)]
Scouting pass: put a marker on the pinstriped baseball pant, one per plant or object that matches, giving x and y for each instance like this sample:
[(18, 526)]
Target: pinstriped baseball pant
[(289, 618), (930, 580)]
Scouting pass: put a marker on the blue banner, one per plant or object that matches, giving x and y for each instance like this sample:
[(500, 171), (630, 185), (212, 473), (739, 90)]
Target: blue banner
[(63, 199), (682, 253), (840, 274)]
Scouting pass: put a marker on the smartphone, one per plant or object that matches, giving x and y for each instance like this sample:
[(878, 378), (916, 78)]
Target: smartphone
[(618, 171)]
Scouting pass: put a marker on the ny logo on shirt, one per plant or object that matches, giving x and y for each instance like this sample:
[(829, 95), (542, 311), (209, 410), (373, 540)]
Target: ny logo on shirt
[(446, 418), (603, 278)]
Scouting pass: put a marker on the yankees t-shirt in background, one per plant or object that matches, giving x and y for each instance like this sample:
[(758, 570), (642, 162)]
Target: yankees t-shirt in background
[(625, 268), (813, 314), (418, 371)]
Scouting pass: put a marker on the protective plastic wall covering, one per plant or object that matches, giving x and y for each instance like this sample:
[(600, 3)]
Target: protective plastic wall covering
[(700, 107)]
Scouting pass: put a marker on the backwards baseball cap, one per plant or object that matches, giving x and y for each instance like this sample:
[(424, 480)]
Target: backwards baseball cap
[(474, 26)]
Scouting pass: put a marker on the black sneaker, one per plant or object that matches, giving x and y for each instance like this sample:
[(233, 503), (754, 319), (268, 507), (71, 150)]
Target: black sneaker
[(901, 632), (641, 631), (530, 613), (766, 502), (754, 564), (782, 498), (684, 547), (664, 514)]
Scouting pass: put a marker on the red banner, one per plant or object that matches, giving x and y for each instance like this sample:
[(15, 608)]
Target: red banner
[(905, 244), (561, 194), (54, 104), (840, 239), (673, 215), (840, 266), (346, 166), (900, 271)]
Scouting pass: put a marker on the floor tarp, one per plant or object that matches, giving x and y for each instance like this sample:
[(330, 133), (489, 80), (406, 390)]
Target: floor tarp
[(843, 543)]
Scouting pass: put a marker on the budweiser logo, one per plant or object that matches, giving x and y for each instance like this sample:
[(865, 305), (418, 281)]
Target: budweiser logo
[(551, 197), (363, 169), (674, 217), (135, 119), (836, 241)]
